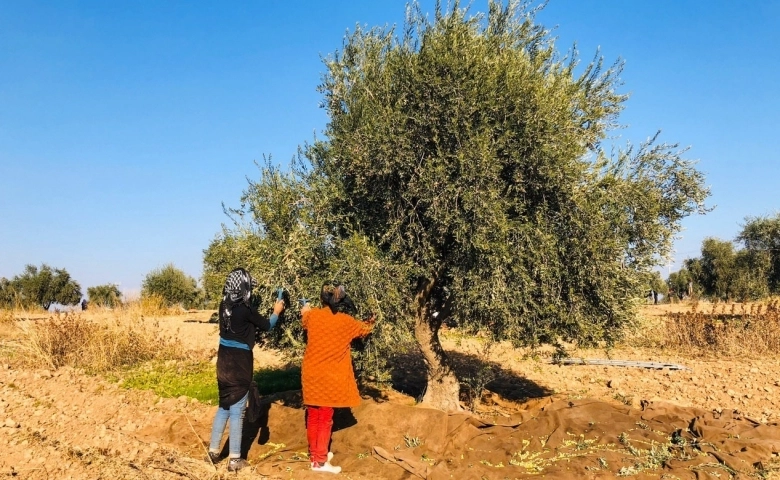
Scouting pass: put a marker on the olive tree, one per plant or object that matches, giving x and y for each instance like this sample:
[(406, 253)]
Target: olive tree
[(726, 273), (678, 282), (462, 167), (172, 285), (761, 235), (105, 295), (7, 293), (44, 287)]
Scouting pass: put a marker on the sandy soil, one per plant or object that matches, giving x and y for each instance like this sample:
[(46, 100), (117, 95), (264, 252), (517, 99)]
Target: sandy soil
[(64, 424)]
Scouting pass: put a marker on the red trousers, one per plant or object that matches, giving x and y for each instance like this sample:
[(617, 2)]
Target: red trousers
[(319, 422)]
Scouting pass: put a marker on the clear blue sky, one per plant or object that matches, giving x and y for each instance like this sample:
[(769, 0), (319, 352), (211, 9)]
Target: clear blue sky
[(124, 125)]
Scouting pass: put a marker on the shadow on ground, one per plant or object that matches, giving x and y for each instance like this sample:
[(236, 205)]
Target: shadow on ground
[(407, 370), (474, 373)]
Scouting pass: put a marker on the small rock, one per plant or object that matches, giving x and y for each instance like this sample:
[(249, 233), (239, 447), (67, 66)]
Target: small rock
[(731, 392), (10, 423), (768, 389), (754, 370), (183, 399), (613, 383)]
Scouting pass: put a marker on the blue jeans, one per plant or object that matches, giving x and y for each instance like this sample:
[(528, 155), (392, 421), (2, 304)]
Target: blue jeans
[(236, 417)]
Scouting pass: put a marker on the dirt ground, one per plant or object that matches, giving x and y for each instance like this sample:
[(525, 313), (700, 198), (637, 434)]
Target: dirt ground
[(535, 420)]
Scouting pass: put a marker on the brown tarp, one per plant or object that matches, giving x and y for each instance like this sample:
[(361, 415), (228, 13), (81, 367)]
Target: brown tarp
[(545, 438)]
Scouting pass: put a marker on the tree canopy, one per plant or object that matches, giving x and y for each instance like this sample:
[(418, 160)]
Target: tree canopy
[(461, 178), (41, 287), (105, 295), (172, 285), (724, 271), (761, 236)]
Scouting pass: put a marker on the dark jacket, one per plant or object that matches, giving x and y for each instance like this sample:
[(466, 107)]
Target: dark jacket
[(234, 365), (243, 323)]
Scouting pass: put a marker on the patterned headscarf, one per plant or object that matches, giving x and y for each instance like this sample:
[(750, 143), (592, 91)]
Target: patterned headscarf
[(238, 289)]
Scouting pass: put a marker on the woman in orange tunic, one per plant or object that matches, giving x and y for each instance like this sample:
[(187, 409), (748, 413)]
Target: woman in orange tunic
[(326, 374)]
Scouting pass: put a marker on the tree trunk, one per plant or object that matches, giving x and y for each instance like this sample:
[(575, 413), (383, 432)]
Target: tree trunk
[(442, 390)]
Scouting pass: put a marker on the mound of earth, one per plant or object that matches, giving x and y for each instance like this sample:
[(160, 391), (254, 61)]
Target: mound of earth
[(557, 438)]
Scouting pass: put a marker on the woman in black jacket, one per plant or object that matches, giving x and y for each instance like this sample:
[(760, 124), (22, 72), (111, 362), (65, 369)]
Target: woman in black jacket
[(237, 325)]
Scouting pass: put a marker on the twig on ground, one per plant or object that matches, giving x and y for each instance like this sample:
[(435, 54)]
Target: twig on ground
[(200, 440), (132, 465), (173, 470)]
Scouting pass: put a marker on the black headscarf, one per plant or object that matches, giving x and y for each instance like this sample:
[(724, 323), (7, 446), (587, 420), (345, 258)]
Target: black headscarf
[(334, 295), (238, 289)]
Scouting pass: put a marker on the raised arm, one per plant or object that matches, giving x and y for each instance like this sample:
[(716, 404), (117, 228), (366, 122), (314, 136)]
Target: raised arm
[(263, 323), (363, 328), (305, 310)]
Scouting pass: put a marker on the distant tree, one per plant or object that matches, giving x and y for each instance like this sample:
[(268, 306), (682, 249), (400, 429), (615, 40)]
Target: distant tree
[(172, 285), (751, 272), (694, 272), (105, 295), (46, 286), (656, 283), (7, 293), (654, 286), (762, 234), (462, 170), (718, 268), (725, 273), (677, 282)]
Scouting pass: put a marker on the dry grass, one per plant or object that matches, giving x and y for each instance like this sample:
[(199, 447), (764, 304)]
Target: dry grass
[(6, 320), (98, 340), (726, 329), (8, 331), (152, 305), (73, 340)]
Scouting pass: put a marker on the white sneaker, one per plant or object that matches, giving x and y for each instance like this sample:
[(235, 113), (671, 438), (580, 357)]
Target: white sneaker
[(324, 467), (330, 456)]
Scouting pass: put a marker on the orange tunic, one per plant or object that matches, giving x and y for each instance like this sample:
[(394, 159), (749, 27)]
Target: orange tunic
[(326, 374)]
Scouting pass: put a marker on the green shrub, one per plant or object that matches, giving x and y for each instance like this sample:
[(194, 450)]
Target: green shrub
[(105, 295), (174, 286)]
